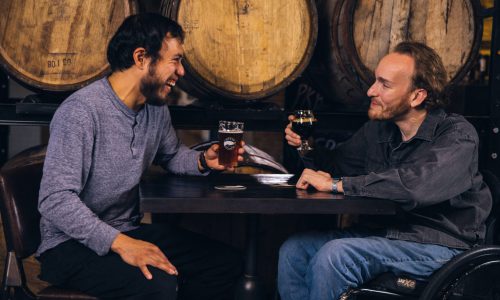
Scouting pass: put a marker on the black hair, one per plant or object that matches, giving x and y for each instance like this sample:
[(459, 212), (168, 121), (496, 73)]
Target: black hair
[(147, 30)]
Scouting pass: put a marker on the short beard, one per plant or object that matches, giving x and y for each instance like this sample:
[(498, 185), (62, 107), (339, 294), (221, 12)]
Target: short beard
[(390, 113), (150, 87)]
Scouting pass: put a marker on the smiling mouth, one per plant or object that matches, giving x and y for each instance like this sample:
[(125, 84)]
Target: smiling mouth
[(171, 82)]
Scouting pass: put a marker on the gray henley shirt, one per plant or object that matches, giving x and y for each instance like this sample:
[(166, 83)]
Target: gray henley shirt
[(98, 150)]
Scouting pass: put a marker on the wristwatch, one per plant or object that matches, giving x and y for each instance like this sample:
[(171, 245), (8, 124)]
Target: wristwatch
[(335, 188), (203, 162)]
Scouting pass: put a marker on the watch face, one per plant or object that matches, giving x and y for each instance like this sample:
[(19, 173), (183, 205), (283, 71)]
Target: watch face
[(334, 186)]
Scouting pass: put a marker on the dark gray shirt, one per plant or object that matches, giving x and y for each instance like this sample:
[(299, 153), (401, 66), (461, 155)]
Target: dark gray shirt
[(433, 176), (97, 153)]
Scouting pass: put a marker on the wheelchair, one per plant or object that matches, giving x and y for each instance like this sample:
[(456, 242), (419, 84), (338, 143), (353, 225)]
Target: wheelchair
[(471, 275)]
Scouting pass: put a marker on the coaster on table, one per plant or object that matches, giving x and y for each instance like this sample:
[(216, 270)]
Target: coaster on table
[(230, 187)]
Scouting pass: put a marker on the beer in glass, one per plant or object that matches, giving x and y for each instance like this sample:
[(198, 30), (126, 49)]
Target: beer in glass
[(230, 135), (303, 125)]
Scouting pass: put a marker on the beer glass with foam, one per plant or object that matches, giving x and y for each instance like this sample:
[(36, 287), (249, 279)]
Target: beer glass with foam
[(230, 135)]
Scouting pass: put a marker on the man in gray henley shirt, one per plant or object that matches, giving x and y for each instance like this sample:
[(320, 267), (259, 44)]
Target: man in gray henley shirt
[(102, 139)]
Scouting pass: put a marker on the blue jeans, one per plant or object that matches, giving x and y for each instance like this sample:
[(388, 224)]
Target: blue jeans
[(324, 265)]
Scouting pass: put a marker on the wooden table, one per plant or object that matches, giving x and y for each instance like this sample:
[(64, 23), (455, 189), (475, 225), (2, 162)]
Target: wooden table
[(264, 194)]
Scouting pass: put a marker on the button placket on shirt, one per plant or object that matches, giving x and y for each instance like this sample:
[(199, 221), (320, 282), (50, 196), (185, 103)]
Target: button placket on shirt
[(133, 142), (396, 154)]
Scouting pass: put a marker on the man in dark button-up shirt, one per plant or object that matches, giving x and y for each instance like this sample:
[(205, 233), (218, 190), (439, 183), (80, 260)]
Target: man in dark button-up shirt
[(411, 152)]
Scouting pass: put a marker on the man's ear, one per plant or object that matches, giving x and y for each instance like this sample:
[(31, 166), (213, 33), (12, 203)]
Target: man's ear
[(139, 57), (418, 97)]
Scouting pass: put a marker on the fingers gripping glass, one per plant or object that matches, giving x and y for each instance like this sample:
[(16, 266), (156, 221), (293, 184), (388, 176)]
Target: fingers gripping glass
[(303, 125)]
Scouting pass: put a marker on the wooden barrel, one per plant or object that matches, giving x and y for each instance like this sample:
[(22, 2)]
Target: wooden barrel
[(241, 49), (59, 45), (354, 35)]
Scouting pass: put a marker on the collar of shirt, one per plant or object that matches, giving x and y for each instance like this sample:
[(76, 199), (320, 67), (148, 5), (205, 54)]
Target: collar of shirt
[(425, 131), (118, 103)]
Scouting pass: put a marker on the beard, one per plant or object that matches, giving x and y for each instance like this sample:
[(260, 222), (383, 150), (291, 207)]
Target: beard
[(151, 87), (389, 113)]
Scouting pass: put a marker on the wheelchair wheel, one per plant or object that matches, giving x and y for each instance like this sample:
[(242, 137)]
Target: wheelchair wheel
[(472, 277)]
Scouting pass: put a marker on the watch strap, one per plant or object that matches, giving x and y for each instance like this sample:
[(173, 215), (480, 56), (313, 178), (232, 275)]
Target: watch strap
[(203, 162)]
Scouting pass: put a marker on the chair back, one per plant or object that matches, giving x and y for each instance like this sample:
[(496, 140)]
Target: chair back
[(19, 184)]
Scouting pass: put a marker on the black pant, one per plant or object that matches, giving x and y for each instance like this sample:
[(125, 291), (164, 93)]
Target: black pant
[(207, 269)]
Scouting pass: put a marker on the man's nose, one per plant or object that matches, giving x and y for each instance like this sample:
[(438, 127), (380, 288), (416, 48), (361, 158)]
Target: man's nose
[(371, 90), (180, 70)]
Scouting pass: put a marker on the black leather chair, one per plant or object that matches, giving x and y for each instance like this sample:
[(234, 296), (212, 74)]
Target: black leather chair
[(474, 274), (19, 184)]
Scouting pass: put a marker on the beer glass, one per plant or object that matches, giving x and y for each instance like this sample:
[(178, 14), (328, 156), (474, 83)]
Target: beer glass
[(230, 135), (303, 125)]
